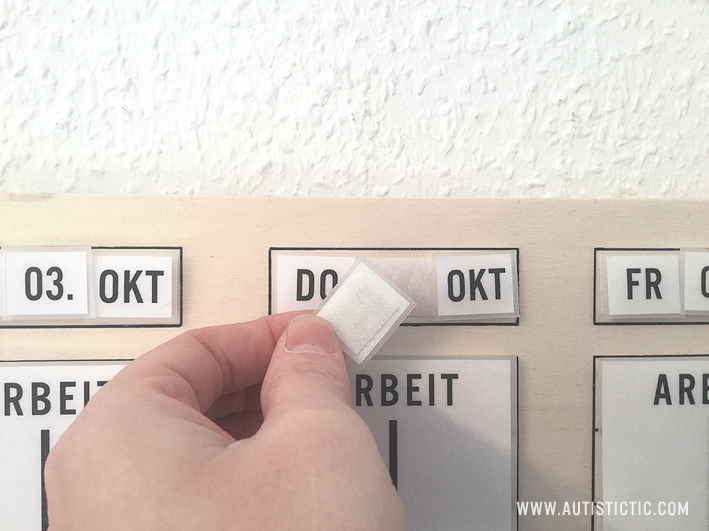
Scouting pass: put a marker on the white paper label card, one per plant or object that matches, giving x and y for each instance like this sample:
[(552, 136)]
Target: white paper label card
[(133, 286), (447, 431), (39, 402), (46, 282), (652, 441), (304, 280), (483, 284), (643, 284), (696, 281)]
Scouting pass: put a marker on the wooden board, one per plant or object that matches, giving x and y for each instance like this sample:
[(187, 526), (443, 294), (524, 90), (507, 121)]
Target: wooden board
[(226, 243)]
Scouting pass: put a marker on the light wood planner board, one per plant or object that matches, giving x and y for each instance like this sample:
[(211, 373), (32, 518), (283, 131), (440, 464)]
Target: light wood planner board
[(225, 244)]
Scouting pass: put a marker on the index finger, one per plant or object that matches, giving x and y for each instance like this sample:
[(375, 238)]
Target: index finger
[(199, 366)]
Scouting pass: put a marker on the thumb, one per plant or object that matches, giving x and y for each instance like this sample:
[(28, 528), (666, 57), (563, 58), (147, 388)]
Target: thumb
[(307, 369)]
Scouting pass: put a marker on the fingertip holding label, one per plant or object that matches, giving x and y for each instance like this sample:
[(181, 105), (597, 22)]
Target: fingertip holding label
[(364, 309)]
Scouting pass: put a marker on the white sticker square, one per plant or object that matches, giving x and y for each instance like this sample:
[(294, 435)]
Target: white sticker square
[(364, 310), (46, 282)]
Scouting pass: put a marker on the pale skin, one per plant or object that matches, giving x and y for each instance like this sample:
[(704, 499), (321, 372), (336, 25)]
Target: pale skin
[(237, 427)]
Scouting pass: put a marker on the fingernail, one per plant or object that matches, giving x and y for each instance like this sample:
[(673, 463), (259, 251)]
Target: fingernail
[(309, 333)]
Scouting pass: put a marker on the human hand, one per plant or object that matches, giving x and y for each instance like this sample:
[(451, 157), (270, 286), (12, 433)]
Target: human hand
[(187, 437)]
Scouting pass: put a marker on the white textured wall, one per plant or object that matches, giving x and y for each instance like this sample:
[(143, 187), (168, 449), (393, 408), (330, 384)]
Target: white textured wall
[(578, 98)]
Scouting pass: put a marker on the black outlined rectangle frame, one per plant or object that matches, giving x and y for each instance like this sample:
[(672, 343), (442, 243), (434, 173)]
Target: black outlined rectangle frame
[(93, 322), (643, 320), (472, 322)]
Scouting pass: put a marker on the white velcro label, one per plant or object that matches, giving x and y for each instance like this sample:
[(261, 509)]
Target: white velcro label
[(364, 310)]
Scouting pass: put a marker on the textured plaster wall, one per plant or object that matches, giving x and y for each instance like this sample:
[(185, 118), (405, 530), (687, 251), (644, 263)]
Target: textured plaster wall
[(579, 98)]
